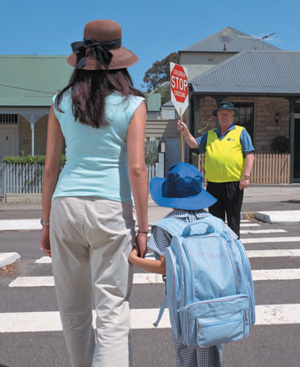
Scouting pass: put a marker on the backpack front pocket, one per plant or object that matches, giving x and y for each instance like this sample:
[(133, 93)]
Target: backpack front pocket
[(216, 321)]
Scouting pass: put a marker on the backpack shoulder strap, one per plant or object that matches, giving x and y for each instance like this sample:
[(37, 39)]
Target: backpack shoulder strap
[(175, 227), (172, 225)]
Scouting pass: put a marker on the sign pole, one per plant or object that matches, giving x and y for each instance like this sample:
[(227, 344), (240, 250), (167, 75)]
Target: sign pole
[(181, 139)]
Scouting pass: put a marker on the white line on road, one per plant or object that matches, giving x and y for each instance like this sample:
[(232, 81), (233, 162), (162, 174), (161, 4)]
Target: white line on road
[(44, 260), (250, 253), (26, 322), (34, 224), (48, 260), (20, 225), (48, 281), (278, 274), (261, 231), (274, 253), (270, 239), (149, 278), (249, 224)]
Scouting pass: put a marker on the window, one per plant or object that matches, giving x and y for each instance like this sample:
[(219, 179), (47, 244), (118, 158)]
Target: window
[(246, 118), (8, 119), (297, 107)]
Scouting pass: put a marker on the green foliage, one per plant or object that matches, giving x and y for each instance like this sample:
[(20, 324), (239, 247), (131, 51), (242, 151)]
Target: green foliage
[(280, 145), (151, 152), (29, 159), (159, 72)]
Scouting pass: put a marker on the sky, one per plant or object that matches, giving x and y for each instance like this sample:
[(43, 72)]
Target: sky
[(151, 29)]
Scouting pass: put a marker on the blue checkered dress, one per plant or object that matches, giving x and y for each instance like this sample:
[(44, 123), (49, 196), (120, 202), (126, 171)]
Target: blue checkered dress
[(186, 356)]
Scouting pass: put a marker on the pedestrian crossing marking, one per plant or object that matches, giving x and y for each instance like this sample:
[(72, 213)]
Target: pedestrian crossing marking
[(278, 274), (47, 281), (44, 260), (150, 278), (20, 225), (273, 253), (34, 224), (261, 231), (26, 322), (250, 253), (270, 239), (144, 278), (48, 260)]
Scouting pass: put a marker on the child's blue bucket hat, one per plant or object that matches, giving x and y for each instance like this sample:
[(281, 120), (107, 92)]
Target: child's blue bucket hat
[(182, 189)]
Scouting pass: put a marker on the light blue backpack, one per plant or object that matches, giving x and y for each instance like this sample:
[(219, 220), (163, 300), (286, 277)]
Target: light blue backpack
[(209, 283)]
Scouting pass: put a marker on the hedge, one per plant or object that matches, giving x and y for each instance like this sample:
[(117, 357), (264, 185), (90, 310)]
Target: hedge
[(29, 159)]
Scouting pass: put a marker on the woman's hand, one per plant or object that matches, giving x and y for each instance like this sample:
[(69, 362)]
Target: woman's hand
[(45, 241), (141, 243)]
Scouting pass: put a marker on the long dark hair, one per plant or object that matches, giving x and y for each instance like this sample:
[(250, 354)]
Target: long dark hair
[(89, 90)]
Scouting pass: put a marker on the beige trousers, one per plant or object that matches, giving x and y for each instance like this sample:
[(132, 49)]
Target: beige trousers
[(91, 240)]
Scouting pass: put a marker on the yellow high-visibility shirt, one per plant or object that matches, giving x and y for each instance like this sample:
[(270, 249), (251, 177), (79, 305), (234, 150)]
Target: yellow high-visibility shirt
[(224, 161)]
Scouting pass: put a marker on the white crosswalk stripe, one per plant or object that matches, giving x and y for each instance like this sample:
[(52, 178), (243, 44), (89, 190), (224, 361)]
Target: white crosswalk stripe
[(270, 239), (149, 278), (261, 231), (34, 224), (26, 322)]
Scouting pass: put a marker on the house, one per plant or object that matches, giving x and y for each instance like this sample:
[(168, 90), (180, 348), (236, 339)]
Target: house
[(27, 85), (218, 47)]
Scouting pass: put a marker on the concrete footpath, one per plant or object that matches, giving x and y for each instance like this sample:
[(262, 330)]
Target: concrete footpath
[(267, 203)]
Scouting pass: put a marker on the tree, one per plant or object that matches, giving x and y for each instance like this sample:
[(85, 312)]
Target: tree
[(159, 72)]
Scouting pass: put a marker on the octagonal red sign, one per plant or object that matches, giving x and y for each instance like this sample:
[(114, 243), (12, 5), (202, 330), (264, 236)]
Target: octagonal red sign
[(179, 83), (179, 87)]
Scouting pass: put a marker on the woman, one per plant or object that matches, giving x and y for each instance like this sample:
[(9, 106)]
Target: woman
[(87, 211)]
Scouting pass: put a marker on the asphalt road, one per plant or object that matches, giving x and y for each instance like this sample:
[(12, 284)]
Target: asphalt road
[(271, 345)]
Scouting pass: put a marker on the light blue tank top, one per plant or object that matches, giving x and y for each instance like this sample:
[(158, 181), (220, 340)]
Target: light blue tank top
[(97, 159)]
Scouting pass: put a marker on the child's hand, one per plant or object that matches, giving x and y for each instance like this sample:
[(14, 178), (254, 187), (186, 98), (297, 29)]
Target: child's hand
[(133, 255)]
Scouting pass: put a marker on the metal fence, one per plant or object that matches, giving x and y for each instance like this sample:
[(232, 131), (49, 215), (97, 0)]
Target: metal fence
[(21, 179), (267, 168), (28, 179)]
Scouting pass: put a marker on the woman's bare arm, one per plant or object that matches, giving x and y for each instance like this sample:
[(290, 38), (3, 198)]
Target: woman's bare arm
[(55, 143), (137, 172)]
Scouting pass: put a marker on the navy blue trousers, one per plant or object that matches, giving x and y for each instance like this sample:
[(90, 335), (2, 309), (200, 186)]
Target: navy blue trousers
[(229, 204)]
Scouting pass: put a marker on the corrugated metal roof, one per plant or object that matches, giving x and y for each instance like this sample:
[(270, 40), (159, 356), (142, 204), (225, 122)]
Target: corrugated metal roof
[(31, 80), (256, 72), (229, 40)]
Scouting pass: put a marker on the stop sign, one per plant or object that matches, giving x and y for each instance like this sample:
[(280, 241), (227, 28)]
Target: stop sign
[(179, 87)]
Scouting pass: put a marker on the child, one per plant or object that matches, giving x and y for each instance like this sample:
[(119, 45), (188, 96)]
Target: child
[(182, 190)]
